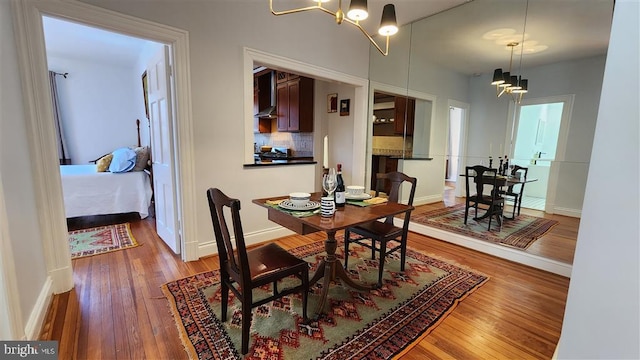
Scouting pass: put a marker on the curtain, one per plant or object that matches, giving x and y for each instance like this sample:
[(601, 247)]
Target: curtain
[(62, 155)]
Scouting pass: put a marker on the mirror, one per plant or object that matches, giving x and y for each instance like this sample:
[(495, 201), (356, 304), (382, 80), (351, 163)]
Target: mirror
[(448, 60)]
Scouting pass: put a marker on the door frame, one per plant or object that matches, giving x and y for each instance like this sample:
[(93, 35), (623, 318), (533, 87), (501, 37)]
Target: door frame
[(30, 46), (563, 136), (464, 128)]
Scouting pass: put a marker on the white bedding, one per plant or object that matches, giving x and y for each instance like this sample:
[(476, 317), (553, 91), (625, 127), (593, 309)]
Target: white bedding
[(88, 192)]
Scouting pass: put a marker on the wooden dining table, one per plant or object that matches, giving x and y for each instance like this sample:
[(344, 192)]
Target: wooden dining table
[(505, 181), (330, 268)]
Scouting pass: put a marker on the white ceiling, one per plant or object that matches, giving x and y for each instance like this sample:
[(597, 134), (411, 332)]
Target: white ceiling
[(570, 29)]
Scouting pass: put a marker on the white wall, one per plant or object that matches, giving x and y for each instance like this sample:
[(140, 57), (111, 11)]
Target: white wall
[(340, 131), (602, 317), (16, 177), (100, 102)]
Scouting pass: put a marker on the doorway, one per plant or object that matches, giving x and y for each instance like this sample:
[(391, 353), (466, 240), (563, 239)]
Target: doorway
[(34, 76), (538, 144), (455, 151)]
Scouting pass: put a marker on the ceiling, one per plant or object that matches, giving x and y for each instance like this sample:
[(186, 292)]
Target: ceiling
[(452, 37)]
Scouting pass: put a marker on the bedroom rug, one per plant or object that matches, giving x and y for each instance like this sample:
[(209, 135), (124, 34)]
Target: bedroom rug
[(378, 324), (518, 233), (100, 240)]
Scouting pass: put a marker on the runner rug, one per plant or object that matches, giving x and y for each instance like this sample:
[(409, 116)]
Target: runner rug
[(518, 233), (378, 324), (100, 240)]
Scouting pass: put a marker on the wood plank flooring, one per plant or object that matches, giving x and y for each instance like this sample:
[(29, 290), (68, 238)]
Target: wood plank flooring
[(117, 310)]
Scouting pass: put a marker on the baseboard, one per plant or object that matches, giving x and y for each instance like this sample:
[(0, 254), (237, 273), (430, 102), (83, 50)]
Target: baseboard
[(210, 248), (503, 252), (39, 312), (576, 213), (427, 199)]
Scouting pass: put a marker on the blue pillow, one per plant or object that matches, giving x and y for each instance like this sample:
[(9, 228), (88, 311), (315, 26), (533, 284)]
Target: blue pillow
[(124, 159)]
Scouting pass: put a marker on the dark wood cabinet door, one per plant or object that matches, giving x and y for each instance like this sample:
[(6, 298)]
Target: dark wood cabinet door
[(294, 105), (405, 110), (283, 106)]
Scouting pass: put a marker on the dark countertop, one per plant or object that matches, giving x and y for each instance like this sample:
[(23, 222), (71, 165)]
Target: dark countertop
[(411, 158), (291, 161)]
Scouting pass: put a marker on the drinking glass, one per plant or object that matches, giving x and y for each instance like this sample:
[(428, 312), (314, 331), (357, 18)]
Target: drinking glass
[(330, 182)]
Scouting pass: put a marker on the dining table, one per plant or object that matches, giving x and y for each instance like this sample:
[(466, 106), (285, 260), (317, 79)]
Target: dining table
[(505, 181), (330, 268)]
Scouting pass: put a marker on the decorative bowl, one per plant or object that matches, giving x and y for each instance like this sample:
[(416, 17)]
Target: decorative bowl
[(299, 198), (355, 189)]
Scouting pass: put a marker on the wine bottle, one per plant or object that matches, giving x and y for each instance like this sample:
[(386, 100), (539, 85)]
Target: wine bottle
[(340, 189)]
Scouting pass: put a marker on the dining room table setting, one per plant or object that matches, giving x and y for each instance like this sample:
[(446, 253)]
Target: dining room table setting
[(305, 213)]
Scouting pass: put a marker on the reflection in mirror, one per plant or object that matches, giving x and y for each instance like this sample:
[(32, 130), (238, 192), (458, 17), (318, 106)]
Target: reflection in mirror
[(563, 58)]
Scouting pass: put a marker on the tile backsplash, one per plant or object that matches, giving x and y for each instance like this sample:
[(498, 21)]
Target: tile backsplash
[(301, 144)]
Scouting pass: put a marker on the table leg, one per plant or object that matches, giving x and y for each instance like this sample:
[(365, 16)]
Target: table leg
[(330, 268)]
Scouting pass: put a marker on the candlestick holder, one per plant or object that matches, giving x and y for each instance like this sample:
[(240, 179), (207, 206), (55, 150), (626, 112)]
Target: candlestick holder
[(500, 167), (490, 162)]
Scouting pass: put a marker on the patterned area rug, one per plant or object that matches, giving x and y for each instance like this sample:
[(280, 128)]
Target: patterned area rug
[(378, 324), (518, 233), (100, 240)]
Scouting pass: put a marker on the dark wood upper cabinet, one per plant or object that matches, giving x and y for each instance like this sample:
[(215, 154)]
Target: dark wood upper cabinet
[(261, 100), (405, 111), (294, 103)]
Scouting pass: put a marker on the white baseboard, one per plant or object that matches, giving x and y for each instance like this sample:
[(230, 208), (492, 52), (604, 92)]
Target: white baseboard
[(576, 213), (39, 312), (210, 248), (427, 199)]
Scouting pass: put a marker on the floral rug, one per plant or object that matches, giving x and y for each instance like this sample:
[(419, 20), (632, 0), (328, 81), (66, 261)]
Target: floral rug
[(100, 240), (378, 324), (518, 233)]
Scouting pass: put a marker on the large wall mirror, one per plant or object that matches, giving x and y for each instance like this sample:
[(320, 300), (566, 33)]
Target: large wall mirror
[(443, 65)]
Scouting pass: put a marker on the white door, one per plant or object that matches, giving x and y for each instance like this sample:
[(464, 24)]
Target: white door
[(160, 112)]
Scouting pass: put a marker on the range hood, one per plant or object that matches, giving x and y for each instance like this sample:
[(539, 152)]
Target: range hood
[(270, 111)]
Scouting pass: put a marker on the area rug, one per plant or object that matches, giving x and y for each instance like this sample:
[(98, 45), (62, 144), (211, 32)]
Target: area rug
[(378, 324), (518, 233), (100, 240)]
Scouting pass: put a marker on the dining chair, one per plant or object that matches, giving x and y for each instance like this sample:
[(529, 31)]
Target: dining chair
[(483, 177), (516, 190), (384, 231), (250, 269)]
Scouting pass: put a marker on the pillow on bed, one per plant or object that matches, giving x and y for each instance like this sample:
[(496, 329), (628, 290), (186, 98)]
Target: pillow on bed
[(124, 159), (142, 157), (102, 164)]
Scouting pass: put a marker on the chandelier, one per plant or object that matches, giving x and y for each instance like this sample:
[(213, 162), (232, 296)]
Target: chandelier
[(507, 82), (357, 12)]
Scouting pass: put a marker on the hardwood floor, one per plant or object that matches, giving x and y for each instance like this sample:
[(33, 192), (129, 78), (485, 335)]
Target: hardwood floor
[(117, 310)]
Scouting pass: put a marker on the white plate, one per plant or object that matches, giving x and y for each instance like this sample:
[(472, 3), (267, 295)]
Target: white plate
[(287, 204), (363, 196)]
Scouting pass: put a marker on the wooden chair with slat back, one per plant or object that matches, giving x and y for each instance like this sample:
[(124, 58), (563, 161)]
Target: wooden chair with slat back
[(386, 231), (483, 177), (516, 191), (251, 269)]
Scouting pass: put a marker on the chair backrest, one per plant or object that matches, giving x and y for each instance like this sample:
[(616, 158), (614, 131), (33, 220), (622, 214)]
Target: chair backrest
[(396, 179), (514, 171), (481, 176), (236, 264)]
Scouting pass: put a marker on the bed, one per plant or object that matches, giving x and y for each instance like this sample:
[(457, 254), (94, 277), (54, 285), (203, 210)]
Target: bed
[(89, 191)]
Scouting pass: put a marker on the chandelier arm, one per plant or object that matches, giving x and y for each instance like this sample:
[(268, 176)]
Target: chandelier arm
[(293, 11), (320, 7), (365, 33)]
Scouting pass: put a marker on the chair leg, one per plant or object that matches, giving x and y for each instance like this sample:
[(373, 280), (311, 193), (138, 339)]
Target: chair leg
[(403, 252), (515, 205), (246, 319), (466, 212), (519, 203), (383, 248), (305, 293), (224, 293), (373, 249), (346, 247)]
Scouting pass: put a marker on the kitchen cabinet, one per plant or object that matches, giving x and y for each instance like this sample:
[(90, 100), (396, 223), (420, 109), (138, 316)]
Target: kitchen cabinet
[(405, 111), (294, 103), (261, 100)]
